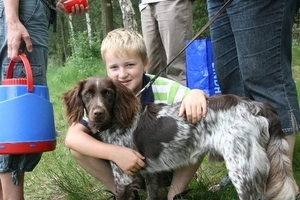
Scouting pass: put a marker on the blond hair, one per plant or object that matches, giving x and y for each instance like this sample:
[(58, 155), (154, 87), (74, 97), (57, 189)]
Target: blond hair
[(124, 40)]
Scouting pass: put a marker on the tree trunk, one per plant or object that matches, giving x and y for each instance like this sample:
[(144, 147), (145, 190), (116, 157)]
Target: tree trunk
[(89, 27), (129, 17), (62, 38), (72, 32), (107, 17)]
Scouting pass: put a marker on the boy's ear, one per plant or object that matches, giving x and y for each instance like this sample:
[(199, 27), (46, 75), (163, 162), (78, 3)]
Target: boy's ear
[(146, 64)]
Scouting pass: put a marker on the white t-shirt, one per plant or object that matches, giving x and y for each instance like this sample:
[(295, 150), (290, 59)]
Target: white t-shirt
[(144, 3)]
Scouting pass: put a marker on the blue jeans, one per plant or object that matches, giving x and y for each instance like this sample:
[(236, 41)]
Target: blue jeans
[(252, 47), (35, 16)]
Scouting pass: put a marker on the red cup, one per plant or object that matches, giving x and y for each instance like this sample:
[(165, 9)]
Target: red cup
[(70, 3)]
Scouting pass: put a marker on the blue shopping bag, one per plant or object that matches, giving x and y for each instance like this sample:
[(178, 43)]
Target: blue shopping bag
[(200, 71)]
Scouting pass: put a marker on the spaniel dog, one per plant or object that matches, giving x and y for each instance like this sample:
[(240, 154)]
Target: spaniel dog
[(246, 134)]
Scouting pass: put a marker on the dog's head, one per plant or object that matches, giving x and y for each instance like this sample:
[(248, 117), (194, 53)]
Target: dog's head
[(102, 99)]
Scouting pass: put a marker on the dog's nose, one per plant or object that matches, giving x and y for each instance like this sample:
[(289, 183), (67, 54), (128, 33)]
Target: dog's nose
[(98, 112)]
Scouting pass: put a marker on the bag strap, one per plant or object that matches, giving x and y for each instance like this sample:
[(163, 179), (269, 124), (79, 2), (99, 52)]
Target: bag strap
[(222, 9)]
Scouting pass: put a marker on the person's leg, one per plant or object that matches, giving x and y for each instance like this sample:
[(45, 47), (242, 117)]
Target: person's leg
[(11, 178), (224, 51), (99, 169), (152, 38), (263, 43), (10, 191), (261, 31), (266, 62), (175, 20), (182, 177)]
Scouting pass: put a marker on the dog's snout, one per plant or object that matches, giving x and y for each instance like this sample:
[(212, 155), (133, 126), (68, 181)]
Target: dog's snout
[(98, 112)]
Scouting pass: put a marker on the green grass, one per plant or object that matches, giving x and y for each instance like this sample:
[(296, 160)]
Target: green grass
[(59, 177)]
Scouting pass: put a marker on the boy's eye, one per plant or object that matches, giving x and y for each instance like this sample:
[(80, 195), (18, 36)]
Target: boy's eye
[(113, 67), (130, 65)]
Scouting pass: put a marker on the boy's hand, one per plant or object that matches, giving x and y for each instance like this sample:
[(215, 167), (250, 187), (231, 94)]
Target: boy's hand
[(194, 105), (129, 160)]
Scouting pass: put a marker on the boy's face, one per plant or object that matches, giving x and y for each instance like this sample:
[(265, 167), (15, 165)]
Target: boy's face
[(126, 67)]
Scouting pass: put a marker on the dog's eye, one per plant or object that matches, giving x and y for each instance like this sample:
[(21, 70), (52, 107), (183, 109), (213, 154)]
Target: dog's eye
[(108, 93), (88, 94)]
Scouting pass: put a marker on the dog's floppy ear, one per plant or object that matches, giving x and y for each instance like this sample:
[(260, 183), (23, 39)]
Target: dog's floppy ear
[(74, 105), (126, 104)]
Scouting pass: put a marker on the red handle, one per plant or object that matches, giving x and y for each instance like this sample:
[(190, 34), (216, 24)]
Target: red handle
[(27, 66)]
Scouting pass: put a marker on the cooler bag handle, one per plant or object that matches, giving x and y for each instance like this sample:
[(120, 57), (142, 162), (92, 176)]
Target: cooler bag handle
[(19, 81)]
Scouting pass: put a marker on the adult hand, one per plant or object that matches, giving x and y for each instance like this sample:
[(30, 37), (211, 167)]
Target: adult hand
[(129, 160), (16, 33), (194, 105), (77, 9)]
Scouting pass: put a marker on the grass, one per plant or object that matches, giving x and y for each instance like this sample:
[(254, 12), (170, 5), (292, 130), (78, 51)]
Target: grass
[(58, 177)]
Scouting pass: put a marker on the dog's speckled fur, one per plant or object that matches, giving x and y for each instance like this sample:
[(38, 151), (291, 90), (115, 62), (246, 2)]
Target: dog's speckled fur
[(245, 133)]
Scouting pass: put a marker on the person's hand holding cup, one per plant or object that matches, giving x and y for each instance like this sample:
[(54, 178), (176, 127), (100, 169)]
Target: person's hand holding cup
[(72, 6)]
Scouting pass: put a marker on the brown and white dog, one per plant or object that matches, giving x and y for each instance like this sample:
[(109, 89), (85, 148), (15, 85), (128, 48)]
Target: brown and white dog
[(245, 133)]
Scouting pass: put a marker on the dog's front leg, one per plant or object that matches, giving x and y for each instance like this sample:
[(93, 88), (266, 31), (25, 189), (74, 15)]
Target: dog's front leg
[(153, 186), (123, 182)]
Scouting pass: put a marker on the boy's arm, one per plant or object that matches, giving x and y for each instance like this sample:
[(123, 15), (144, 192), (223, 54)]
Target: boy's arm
[(193, 101), (127, 159)]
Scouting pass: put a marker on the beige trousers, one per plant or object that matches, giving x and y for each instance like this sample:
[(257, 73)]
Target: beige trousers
[(166, 26)]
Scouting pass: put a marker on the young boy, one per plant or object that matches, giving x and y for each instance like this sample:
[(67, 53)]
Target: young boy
[(125, 57)]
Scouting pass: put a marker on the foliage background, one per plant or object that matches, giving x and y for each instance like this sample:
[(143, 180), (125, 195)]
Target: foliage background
[(62, 46)]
